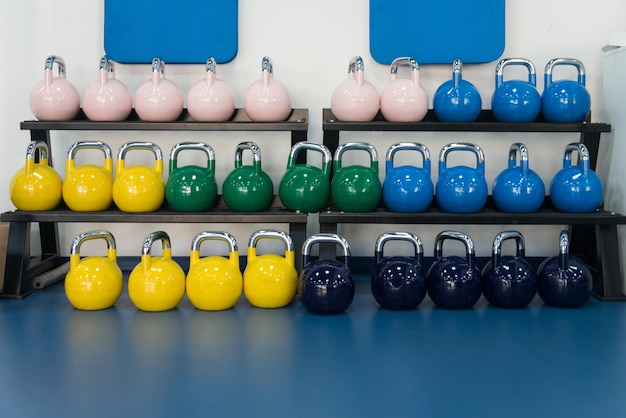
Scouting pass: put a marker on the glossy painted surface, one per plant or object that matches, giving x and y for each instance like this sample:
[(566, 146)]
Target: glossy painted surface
[(564, 281), (575, 189), (511, 283), (156, 283), (326, 287)]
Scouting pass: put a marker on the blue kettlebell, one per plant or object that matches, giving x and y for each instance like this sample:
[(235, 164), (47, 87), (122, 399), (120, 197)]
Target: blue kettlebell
[(457, 100), (565, 100), (518, 189), (454, 282), (509, 281), (516, 100), (408, 188), (564, 280), (461, 189), (398, 282), (576, 189)]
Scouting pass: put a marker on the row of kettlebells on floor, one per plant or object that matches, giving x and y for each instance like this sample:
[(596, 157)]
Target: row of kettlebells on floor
[(324, 286), (303, 187)]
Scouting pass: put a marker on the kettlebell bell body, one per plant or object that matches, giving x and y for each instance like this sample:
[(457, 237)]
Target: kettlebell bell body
[(408, 188), (214, 282), (461, 189), (563, 280), (248, 188), (269, 280), (36, 186), (509, 281), (139, 188), (107, 99), (158, 99), (404, 100), (54, 98), (156, 283), (516, 100), (191, 188), (94, 282), (88, 187), (355, 188), (397, 282), (355, 99), (518, 189), (454, 282), (457, 100), (565, 100), (326, 286), (576, 189), (211, 99), (304, 187), (267, 99)]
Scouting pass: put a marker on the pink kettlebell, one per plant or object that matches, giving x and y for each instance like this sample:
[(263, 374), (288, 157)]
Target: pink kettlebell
[(267, 100), (403, 99), (54, 98), (355, 99), (210, 99), (158, 99), (107, 99)]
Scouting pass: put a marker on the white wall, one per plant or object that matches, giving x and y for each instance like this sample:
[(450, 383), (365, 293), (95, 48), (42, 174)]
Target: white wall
[(310, 43)]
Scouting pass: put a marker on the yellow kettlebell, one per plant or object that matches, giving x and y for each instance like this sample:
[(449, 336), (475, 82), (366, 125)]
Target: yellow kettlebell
[(88, 187), (156, 283), (94, 282), (36, 186), (139, 188), (214, 283), (269, 280)]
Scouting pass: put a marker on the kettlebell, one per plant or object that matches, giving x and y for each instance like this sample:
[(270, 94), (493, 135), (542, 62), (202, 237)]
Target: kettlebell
[(509, 281), (88, 187), (267, 99), (461, 189), (107, 99), (158, 99), (156, 283), (214, 282), (304, 187), (564, 280), (576, 189), (408, 188), (355, 99), (211, 99), (54, 98), (457, 100), (454, 282), (516, 100), (404, 100), (139, 188), (397, 282), (326, 286), (248, 188), (269, 280), (355, 188), (36, 186), (565, 100), (94, 282), (518, 189), (191, 188)]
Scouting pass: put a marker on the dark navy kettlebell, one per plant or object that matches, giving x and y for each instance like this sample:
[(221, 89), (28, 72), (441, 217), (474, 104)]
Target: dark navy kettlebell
[(398, 282), (326, 286), (565, 100), (454, 282), (518, 189), (516, 100), (408, 188), (509, 281), (457, 100), (461, 189), (576, 189), (564, 280)]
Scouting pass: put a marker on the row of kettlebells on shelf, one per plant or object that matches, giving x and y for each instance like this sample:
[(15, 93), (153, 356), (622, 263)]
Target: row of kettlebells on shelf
[(303, 187), (324, 286)]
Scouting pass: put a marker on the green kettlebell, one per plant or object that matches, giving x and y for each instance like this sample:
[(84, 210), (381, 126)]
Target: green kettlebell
[(304, 187), (356, 188), (191, 188), (248, 188)]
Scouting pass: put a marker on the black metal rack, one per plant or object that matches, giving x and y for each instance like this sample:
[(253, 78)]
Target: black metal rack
[(21, 268), (593, 236)]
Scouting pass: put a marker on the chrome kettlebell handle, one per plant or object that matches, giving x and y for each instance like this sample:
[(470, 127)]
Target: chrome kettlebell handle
[(455, 235), (363, 146), (267, 65), (583, 156), (312, 146), (408, 146), (146, 146), (462, 146), (323, 237), (271, 234), (214, 235), (505, 235), (253, 147), (32, 148), (90, 235), (403, 61), (156, 236), (399, 236), (532, 73), (196, 146), (53, 59), (73, 149), (580, 67), (356, 64)]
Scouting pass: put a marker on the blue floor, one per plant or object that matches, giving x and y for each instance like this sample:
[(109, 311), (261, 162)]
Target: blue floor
[(429, 362)]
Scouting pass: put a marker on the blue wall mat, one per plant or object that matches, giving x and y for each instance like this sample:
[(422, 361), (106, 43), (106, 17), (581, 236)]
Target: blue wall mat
[(177, 31), (437, 31)]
